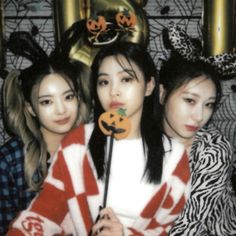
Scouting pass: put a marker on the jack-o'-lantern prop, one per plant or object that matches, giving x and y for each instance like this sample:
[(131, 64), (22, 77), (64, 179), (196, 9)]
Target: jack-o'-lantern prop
[(97, 26), (115, 123), (107, 21), (126, 19)]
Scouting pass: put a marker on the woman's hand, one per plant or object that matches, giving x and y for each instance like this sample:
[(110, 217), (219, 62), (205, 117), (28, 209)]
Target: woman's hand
[(108, 224)]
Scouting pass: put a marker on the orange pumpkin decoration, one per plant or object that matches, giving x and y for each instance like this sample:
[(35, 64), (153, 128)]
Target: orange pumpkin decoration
[(126, 18), (96, 26), (114, 122)]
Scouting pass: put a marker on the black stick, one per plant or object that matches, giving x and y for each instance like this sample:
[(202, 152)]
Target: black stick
[(106, 181), (108, 170)]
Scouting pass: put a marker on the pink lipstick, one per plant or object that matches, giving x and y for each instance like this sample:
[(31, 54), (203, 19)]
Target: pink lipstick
[(115, 105), (192, 128), (62, 121)]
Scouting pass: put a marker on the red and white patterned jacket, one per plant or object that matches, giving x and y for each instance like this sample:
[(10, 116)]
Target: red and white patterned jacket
[(70, 193)]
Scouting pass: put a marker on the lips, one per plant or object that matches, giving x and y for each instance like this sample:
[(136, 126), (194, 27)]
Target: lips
[(62, 121), (192, 128), (114, 105)]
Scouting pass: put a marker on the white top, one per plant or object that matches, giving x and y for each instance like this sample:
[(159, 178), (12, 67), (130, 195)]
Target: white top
[(128, 191)]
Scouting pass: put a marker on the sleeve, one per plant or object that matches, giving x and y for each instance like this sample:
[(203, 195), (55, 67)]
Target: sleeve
[(45, 216), (210, 207), (8, 198), (14, 196)]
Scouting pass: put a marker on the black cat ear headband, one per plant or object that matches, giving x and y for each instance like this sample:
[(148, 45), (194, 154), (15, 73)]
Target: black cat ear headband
[(224, 63)]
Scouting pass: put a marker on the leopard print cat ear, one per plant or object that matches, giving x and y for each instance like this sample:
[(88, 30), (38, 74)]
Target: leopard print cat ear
[(224, 63), (182, 43)]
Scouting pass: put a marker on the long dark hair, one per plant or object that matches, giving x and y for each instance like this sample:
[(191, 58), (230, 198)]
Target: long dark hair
[(151, 134), (22, 86)]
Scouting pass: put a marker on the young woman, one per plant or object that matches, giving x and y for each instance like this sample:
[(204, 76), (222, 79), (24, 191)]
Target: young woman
[(149, 173), (189, 94), (42, 103)]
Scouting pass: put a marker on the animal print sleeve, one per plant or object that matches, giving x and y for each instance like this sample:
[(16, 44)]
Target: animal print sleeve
[(210, 209)]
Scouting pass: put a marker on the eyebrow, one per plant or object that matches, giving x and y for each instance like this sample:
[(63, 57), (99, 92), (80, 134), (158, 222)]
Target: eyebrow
[(196, 95), (49, 95), (128, 71)]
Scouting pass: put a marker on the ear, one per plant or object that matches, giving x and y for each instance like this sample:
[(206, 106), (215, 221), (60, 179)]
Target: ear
[(162, 93), (30, 109), (150, 86)]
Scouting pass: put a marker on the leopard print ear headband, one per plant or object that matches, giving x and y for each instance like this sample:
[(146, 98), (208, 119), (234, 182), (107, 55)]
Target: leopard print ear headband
[(224, 63)]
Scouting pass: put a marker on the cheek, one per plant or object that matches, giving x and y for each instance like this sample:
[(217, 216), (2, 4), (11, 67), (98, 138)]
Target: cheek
[(102, 96), (174, 110), (44, 114), (73, 106), (99, 93), (208, 114), (136, 91)]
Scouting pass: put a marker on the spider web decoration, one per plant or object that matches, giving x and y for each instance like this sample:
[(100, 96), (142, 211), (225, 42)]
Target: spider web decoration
[(34, 16), (186, 14)]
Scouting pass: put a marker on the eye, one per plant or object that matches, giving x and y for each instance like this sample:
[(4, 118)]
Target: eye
[(210, 105), (189, 100), (127, 79), (103, 82), (70, 96), (45, 102)]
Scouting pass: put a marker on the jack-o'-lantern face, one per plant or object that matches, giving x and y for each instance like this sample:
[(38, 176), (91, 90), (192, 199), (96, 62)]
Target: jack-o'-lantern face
[(126, 19), (98, 25), (114, 122)]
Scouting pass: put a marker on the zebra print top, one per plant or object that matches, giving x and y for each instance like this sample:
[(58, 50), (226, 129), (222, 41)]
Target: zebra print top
[(211, 207)]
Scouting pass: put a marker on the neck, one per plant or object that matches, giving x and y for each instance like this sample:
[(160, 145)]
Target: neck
[(188, 144), (135, 131), (52, 141)]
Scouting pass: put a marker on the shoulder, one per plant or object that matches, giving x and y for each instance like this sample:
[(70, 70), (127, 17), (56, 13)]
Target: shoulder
[(12, 151), (212, 137), (211, 144), (79, 135)]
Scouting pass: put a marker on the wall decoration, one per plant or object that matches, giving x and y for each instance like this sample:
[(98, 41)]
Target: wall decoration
[(108, 21), (32, 16)]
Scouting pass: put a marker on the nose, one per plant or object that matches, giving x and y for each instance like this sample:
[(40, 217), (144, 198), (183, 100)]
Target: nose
[(198, 114), (114, 90), (60, 106)]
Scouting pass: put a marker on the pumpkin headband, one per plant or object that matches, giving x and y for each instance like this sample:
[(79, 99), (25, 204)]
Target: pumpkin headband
[(102, 32), (224, 63)]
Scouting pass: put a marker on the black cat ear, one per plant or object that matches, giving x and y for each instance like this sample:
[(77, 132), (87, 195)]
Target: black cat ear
[(74, 35), (22, 43)]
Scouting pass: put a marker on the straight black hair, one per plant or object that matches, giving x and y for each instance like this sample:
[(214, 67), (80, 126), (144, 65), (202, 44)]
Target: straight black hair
[(150, 131)]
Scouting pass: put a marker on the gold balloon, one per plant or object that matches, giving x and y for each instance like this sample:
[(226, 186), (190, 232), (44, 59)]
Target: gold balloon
[(67, 12), (219, 26), (141, 2)]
